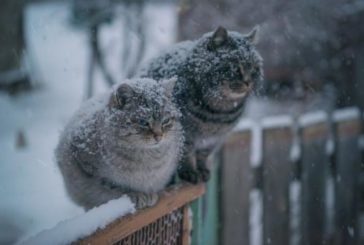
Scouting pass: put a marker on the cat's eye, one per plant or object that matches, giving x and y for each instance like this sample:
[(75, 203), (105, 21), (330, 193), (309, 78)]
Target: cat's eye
[(248, 66), (235, 69), (254, 75), (167, 122), (143, 123)]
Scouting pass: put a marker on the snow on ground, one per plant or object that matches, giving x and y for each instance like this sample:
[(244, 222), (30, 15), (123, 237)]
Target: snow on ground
[(83, 225), (31, 187)]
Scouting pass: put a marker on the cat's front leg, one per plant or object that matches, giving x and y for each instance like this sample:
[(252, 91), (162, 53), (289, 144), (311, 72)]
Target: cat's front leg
[(143, 200), (193, 167), (202, 160), (187, 169)]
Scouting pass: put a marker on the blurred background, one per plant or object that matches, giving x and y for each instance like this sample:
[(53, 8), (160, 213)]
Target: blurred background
[(54, 54)]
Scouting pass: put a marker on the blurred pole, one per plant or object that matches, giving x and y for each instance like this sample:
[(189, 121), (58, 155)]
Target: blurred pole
[(360, 77), (12, 73)]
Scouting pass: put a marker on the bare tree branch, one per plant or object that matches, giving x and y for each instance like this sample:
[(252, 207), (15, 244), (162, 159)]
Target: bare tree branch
[(139, 24), (99, 59), (90, 77), (126, 38)]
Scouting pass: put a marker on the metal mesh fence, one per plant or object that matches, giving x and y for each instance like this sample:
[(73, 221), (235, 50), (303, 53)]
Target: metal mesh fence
[(167, 230)]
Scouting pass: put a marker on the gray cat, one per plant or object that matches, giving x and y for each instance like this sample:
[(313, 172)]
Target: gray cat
[(125, 142), (215, 75)]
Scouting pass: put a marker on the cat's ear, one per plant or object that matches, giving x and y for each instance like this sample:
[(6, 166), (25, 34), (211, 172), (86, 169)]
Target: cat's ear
[(219, 37), (121, 95), (253, 35), (169, 86)]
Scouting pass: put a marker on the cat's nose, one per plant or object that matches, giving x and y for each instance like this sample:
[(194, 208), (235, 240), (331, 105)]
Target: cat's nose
[(247, 78), (158, 137), (157, 132)]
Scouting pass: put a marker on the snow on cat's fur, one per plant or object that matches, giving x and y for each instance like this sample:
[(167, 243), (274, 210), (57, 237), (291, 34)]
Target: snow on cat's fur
[(215, 73), (127, 141)]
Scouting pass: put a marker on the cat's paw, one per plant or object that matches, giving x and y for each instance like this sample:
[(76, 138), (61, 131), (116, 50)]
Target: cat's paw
[(143, 200), (189, 174), (194, 176), (204, 174)]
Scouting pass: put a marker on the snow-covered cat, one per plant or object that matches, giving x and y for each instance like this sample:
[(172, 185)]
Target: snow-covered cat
[(125, 142), (215, 75)]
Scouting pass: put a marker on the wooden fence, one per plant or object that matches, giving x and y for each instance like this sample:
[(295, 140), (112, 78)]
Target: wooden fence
[(286, 181)]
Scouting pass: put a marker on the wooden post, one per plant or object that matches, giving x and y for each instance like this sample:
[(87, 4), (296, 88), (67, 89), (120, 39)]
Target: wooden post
[(315, 168), (361, 177), (236, 181), (210, 206), (348, 126), (196, 234), (186, 226), (277, 173)]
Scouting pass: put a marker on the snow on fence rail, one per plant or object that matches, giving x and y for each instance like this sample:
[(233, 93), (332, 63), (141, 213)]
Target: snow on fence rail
[(309, 194), (165, 223)]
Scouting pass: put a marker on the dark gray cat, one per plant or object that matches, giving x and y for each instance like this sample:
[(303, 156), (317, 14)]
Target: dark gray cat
[(215, 75), (125, 142)]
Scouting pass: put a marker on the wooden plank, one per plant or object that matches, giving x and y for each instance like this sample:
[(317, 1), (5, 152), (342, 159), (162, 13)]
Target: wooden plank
[(211, 226), (361, 180), (277, 171), (173, 198), (315, 170), (347, 169), (196, 233), (236, 181), (186, 226)]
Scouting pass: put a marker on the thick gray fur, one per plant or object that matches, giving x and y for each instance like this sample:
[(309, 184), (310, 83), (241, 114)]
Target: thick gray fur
[(127, 141), (215, 75)]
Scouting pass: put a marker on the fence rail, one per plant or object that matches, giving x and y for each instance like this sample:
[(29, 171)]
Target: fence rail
[(165, 223)]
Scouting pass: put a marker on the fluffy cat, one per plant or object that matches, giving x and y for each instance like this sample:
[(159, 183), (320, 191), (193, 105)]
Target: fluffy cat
[(215, 75), (125, 142)]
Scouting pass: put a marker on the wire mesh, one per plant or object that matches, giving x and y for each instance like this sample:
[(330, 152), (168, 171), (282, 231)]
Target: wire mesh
[(167, 230)]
